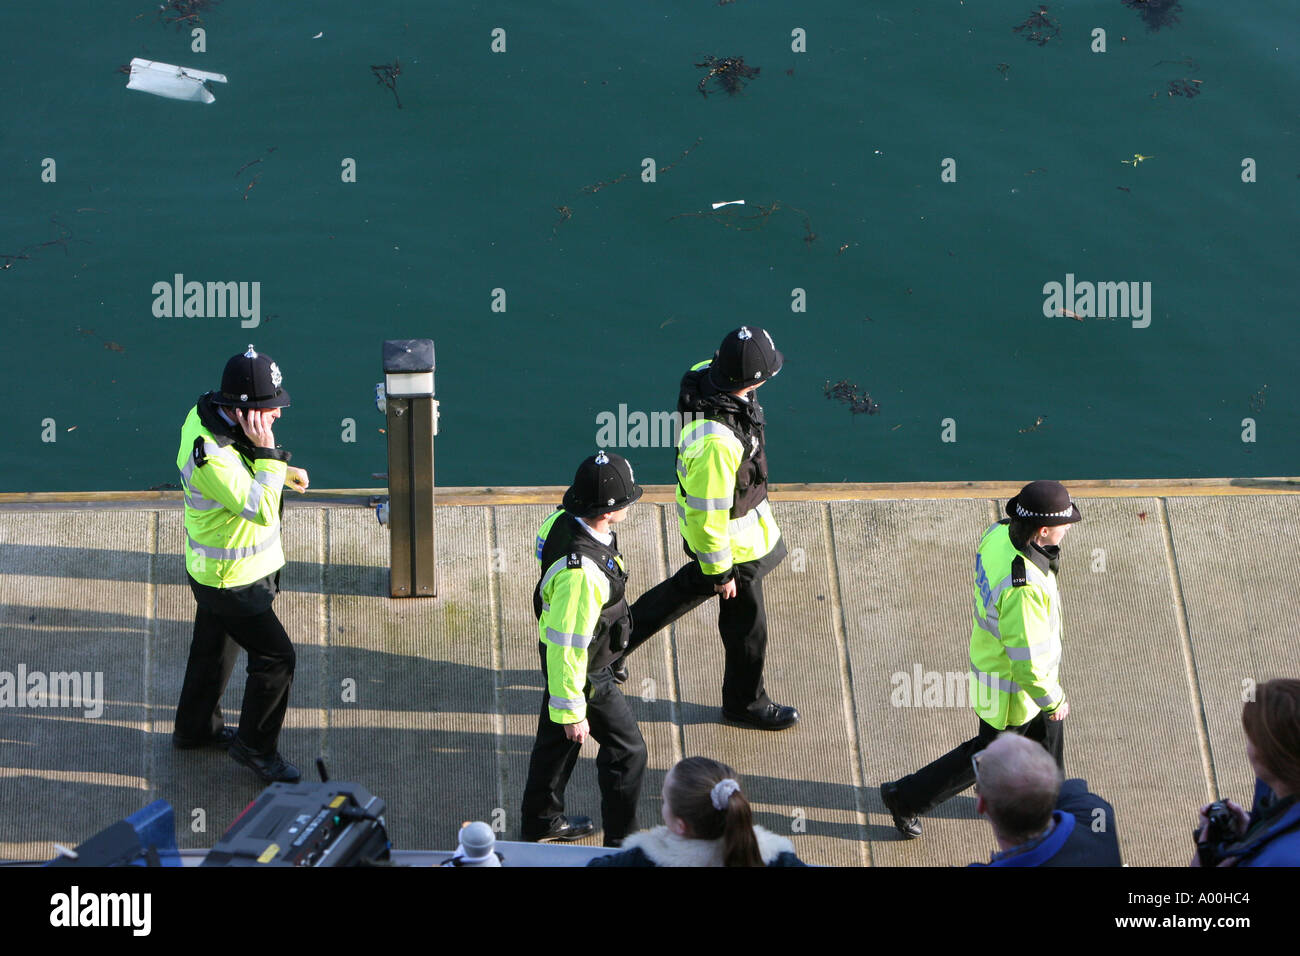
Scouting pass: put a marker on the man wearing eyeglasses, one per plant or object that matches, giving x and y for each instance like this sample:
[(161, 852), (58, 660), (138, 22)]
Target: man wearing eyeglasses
[(1037, 819)]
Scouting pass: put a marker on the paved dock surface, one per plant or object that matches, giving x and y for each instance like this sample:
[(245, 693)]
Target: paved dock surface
[(1173, 605)]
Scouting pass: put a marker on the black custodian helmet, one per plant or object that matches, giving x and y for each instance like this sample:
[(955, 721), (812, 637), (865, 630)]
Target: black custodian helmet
[(603, 483), (251, 380), (745, 357)]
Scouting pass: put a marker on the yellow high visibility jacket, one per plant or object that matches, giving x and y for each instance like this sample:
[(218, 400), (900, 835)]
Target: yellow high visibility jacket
[(1015, 643), (232, 509), (709, 507), (580, 611)]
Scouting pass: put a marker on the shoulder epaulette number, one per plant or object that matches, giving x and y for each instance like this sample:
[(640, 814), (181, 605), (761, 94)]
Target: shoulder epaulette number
[(574, 561), (1018, 576)]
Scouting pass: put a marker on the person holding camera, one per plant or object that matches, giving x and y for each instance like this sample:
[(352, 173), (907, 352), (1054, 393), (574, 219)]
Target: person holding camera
[(1270, 834)]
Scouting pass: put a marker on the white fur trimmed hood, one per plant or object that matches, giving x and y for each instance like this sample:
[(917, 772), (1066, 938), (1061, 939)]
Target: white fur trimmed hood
[(666, 848)]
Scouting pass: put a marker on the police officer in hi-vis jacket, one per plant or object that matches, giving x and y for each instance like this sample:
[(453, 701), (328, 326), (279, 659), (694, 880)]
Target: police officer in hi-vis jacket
[(1015, 649), (726, 521), (232, 474), (582, 626)]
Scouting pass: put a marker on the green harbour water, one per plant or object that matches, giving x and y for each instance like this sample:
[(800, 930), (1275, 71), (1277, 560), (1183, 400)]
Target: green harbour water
[(522, 171)]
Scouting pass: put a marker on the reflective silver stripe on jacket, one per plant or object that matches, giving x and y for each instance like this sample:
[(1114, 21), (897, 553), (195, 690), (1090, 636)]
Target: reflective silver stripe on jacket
[(253, 503), (196, 501), (1045, 655), (562, 639), (194, 498), (760, 511), (707, 427), (743, 523), (708, 504), (714, 557), (560, 564), (200, 502), (993, 681), (736, 525), (989, 621), (1051, 700), (232, 554), (567, 703)]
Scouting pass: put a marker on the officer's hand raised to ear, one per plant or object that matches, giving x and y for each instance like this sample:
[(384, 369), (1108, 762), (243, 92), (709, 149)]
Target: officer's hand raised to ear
[(257, 426)]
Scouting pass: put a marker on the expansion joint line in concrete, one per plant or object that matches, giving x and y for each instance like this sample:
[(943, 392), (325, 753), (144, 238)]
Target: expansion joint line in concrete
[(856, 763), (1189, 656), (495, 567), (151, 635), (670, 645), (325, 621)]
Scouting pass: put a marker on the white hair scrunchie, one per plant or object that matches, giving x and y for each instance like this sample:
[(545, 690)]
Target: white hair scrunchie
[(722, 791)]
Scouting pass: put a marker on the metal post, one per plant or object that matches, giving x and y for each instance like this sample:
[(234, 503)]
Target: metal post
[(412, 415)]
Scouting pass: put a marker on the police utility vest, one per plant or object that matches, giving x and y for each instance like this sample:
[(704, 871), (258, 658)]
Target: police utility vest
[(563, 544), (1015, 644)]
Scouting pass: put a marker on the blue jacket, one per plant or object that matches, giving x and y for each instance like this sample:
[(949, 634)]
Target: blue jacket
[(1273, 836), (1084, 834)]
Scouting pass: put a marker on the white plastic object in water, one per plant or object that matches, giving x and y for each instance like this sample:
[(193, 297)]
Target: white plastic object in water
[(173, 82)]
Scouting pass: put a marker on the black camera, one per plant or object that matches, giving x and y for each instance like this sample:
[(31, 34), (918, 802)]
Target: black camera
[(1220, 829)]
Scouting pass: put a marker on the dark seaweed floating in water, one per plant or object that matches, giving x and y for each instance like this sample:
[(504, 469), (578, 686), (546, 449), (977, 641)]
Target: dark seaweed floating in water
[(184, 13), (1041, 27), (1185, 87), (1156, 13), (859, 402), (731, 73), (387, 74), (1257, 400), (61, 241)]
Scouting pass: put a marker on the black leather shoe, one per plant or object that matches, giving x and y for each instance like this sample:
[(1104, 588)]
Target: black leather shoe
[(909, 826), (771, 717), (224, 737), (272, 768), (620, 671), (564, 830)]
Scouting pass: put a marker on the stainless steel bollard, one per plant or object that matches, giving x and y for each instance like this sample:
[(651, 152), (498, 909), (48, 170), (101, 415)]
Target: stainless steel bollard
[(412, 414)]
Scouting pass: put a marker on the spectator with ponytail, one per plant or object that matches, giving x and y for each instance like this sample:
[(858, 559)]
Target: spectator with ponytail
[(707, 822)]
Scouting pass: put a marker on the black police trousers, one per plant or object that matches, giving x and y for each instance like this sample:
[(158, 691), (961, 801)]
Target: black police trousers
[(217, 640), (952, 773), (742, 623), (620, 762)]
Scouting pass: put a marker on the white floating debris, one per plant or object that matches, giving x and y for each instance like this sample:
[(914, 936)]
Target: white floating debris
[(319, 35), (733, 202), (173, 82)]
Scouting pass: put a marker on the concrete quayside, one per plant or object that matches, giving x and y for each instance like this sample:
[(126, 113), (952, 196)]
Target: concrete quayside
[(1172, 611)]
